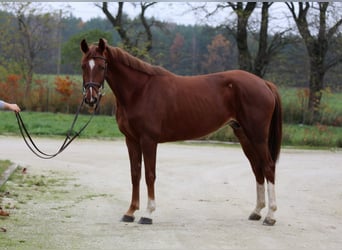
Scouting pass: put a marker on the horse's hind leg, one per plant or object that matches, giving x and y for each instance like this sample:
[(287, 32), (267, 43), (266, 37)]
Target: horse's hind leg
[(260, 203), (252, 156), (261, 164), (267, 165), (272, 205), (265, 169)]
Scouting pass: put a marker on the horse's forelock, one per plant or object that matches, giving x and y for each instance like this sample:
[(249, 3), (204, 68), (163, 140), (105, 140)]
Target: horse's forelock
[(92, 52)]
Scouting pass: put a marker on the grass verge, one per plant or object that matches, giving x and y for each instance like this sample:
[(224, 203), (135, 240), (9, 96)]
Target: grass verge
[(101, 127)]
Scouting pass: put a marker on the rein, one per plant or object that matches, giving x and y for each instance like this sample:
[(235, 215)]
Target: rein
[(68, 139)]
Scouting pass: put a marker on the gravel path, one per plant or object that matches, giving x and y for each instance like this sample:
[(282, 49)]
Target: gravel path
[(204, 195)]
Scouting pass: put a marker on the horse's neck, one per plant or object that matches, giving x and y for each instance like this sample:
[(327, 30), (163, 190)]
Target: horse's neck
[(125, 82)]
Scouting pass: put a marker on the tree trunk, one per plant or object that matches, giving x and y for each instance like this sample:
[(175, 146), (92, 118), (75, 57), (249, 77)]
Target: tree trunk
[(28, 84), (262, 58), (316, 86), (243, 14)]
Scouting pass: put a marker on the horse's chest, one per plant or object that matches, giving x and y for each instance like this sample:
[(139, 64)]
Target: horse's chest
[(128, 121)]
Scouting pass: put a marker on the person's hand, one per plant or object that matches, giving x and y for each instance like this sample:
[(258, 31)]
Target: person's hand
[(14, 107)]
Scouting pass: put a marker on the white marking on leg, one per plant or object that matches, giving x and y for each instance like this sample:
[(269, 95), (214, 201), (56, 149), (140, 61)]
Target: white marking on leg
[(260, 204), (151, 206), (272, 205), (91, 64)]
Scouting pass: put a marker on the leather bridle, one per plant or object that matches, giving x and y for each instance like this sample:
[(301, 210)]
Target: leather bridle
[(98, 85)]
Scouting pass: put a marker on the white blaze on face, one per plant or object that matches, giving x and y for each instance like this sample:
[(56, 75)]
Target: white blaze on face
[(91, 64)]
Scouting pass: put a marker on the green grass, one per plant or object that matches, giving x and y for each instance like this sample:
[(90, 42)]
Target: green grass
[(312, 136), (4, 164), (52, 125), (318, 136), (295, 100)]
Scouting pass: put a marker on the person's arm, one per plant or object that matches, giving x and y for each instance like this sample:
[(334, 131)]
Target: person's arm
[(9, 106)]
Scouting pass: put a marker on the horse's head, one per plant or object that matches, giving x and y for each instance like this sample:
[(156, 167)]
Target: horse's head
[(94, 66)]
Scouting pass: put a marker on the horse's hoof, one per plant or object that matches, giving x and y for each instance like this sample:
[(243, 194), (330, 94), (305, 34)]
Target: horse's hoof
[(127, 218), (254, 216), (145, 221), (269, 221)]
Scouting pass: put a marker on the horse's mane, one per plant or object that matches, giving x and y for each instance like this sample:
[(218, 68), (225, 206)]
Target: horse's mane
[(135, 63)]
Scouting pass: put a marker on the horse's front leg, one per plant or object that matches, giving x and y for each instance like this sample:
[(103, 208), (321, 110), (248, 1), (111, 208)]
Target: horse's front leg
[(149, 149), (135, 155)]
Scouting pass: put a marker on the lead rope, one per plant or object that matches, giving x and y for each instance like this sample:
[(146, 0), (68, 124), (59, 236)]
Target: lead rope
[(33, 147)]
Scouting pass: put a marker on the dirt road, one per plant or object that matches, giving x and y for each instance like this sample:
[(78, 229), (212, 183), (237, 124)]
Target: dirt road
[(204, 196)]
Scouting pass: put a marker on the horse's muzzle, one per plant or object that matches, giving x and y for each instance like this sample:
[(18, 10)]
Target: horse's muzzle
[(92, 93), (91, 102), (90, 96)]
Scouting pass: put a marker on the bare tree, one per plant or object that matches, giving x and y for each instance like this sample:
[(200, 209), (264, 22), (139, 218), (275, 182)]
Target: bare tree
[(36, 35), (268, 46), (141, 40), (243, 13), (317, 46)]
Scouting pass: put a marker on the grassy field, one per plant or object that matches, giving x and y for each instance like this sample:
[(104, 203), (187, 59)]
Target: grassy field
[(52, 125), (295, 101)]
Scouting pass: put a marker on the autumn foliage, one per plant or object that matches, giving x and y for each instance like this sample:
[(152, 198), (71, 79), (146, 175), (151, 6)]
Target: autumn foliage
[(176, 50), (64, 86), (10, 89), (218, 57)]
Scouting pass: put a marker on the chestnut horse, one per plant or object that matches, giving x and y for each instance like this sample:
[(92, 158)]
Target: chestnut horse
[(155, 106)]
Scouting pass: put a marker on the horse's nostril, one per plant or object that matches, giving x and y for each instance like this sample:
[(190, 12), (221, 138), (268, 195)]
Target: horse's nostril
[(90, 101)]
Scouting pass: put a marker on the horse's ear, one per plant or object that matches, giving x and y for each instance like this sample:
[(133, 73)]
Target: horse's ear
[(102, 44), (84, 46)]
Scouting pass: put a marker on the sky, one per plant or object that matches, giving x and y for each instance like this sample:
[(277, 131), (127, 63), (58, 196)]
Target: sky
[(176, 12), (163, 11)]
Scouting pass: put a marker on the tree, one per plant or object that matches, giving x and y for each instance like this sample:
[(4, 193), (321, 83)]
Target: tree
[(35, 34), (135, 40), (217, 58), (10, 89), (268, 46), (243, 13), (7, 48), (176, 50), (64, 86), (317, 46)]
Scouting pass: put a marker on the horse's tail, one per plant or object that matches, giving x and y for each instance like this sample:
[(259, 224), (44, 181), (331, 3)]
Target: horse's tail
[(275, 131)]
